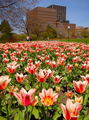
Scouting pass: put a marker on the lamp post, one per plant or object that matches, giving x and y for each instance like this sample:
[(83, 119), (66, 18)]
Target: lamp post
[(68, 32)]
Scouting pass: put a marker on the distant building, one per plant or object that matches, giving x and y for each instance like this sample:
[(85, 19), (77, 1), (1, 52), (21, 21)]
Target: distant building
[(53, 15), (60, 12), (80, 29)]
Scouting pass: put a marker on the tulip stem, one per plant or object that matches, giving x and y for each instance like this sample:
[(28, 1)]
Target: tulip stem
[(44, 113), (31, 113), (27, 114), (41, 85)]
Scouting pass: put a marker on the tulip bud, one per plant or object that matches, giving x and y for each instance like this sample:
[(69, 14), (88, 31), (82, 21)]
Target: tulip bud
[(79, 99), (57, 89), (76, 64), (70, 71)]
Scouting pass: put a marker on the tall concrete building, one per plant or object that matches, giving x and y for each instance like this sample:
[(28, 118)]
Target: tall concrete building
[(54, 15), (60, 12)]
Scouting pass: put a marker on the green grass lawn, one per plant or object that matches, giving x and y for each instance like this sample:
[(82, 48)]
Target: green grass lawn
[(86, 41)]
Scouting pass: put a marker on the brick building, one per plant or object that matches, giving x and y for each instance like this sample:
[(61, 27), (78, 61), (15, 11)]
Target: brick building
[(54, 15)]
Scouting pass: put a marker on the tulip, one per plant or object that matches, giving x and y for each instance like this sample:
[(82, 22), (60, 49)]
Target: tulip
[(61, 61), (11, 67), (31, 68), (53, 64), (14, 58), (69, 94), (76, 65), (26, 98), (57, 79), (42, 75), (57, 89), (37, 63), (12, 90), (69, 67), (4, 80), (75, 59), (48, 62), (49, 73), (86, 78), (71, 110), (66, 113), (79, 99), (80, 86), (20, 77), (4, 55), (5, 60), (48, 97), (22, 60)]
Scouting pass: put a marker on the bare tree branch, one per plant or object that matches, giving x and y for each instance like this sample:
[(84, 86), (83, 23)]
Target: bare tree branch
[(5, 6), (15, 13)]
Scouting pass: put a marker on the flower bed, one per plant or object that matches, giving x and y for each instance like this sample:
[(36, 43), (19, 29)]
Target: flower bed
[(44, 81)]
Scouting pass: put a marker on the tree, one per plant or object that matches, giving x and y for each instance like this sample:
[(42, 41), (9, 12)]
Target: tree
[(6, 30), (7, 5), (51, 32), (85, 33), (15, 11), (5, 27), (35, 28)]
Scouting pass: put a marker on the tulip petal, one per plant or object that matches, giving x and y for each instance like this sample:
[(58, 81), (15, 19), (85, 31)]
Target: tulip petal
[(66, 113)]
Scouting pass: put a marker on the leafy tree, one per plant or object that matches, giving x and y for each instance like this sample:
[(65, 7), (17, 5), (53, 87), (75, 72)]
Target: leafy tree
[(51, 32), (44, 35), (35, 28), (5, 27)]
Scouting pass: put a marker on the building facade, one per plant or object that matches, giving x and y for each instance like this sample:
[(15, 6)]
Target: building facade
[(60, 12), (54, 15)]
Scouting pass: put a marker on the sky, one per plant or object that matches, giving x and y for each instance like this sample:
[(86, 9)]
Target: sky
[(77, 10)]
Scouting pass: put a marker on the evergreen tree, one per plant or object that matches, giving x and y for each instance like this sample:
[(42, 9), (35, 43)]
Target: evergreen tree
[(5, 27)]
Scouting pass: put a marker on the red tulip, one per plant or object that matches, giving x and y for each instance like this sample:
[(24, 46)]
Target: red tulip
[(20, 77), (5, 60), (80, 86), (26, 98), (86, 78), (31, 68), (53, 64), (57, 79), (69, 67), (71, 110), (42, 75), (69, 94), (4, 80), (11, 67)]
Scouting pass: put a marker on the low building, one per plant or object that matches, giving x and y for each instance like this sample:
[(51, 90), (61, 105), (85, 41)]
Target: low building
[(79, 30)]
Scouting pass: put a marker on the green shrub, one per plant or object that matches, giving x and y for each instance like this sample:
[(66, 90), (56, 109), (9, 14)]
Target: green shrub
[(34, 37), (19, 36), (7, 37)]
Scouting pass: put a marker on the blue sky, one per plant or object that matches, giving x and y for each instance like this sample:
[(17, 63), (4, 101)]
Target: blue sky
[(77, 10)]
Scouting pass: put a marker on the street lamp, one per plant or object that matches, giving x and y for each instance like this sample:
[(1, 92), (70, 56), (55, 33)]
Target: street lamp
[(68, 32)]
